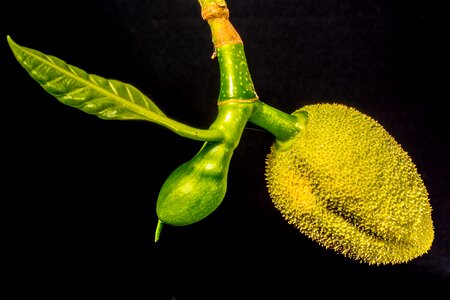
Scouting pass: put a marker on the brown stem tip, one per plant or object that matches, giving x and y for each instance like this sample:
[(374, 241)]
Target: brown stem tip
[(217, 15)]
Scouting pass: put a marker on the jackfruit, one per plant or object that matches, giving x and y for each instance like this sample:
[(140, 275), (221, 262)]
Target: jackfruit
[(345, 183)]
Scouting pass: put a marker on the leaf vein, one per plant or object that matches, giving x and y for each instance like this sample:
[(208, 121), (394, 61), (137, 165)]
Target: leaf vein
[(49, 58), (130, 95), (113, 87), (77, 90), (40, 66), (55, 80), (71, 68)]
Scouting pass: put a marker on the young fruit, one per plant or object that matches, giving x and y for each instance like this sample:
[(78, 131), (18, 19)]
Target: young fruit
[(196, 188), (347, 184)]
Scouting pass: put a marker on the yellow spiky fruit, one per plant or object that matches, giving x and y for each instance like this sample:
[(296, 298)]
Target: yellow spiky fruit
[(347, 184)]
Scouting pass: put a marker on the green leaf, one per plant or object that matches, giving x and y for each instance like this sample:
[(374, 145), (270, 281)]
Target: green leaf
[(105, 98)]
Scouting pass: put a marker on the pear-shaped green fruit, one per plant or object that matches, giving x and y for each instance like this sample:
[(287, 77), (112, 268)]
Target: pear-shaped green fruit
[(196, 188)]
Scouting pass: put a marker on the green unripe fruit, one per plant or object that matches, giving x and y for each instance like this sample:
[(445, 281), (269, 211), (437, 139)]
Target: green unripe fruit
[(196, 188)]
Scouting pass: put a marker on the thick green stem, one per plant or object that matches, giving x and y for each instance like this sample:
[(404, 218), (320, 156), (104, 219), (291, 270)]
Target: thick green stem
[(231, 121), (236, 85), (282, 125), (235, 80), (237, 93)]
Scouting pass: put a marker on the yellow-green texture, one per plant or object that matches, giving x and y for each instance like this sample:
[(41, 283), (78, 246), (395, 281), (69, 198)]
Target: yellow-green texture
[(347, 184)]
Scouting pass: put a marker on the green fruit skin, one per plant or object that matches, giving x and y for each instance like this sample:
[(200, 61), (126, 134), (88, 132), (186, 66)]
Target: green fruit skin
[(196, 188)]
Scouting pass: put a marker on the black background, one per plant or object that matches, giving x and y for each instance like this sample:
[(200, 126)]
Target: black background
[(80, 193)]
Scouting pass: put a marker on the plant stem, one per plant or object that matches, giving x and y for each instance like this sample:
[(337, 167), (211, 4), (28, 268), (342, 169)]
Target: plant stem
[(282, 125), (237, 94), (235, 81), (236, 85)]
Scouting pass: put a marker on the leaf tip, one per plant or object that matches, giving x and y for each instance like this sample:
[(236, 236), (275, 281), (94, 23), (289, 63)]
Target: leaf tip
[(11, 43)]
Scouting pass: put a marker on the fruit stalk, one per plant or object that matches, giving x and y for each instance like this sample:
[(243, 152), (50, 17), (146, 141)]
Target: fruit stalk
[(236, 85)]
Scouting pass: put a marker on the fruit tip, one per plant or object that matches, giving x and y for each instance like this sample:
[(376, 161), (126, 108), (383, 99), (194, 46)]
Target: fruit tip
[(158, 230)]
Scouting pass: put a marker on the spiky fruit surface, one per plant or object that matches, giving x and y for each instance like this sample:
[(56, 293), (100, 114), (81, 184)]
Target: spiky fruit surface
[(347, 184)]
